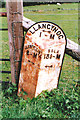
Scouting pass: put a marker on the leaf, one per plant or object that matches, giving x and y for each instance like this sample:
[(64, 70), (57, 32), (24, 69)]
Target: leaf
[(67, 101)]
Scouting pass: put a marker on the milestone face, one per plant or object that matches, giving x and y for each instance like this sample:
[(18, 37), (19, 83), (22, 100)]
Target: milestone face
[(43, 53)]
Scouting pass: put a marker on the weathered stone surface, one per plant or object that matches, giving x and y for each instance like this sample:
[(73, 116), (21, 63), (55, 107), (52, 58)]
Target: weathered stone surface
[(43, 54)]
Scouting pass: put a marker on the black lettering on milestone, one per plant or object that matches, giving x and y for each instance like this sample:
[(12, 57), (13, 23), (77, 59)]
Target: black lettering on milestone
[(35, 29), (28, 60), (49, 32), (33, 46), (39, 26), (27, 52), (39, 52), (49, 66), (48, 26), (47, 56), (26, 47), (44, 56), (58, 56), (52, 27), (58, 33), (57, 51), (60, 36), (54, 51), (30, 46), (31, 31), (44, 26), (35, 55), (51, 56), (40, 34), (55, 29), (51, 50), (52, 36), (48, 50)]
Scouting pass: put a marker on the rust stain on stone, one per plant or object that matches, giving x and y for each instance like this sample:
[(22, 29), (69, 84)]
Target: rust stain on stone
[(43, 53), (29, 69)]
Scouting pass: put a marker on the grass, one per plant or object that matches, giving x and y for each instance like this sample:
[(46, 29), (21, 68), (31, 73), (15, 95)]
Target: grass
[(65, 21), (55, 104), (60, 103)]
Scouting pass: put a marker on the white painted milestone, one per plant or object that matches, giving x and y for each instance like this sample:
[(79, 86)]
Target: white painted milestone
[(43, 54)]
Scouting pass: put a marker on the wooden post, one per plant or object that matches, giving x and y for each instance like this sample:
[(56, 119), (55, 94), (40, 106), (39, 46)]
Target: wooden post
[(15, 33)]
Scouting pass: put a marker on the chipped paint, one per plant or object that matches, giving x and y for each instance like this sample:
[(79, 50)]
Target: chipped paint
[(43, 54)]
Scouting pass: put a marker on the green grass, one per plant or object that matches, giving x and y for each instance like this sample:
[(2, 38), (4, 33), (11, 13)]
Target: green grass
[(51, 6), (69, 23), (60, 103), (55, 104)]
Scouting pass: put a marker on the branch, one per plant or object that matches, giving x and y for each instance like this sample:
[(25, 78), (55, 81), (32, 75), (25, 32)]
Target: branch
[(27, 23), (72, 48)]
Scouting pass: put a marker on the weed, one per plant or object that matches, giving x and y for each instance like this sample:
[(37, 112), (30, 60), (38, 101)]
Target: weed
[(54, 104)]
